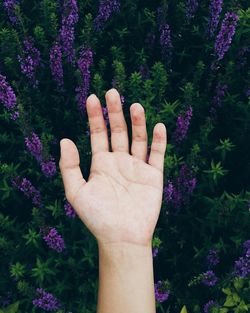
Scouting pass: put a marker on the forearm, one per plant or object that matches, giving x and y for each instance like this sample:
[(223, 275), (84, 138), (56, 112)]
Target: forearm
[(126, 280)]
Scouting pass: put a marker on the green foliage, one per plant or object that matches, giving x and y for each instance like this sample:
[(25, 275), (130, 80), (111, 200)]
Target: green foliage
[(128, 55)]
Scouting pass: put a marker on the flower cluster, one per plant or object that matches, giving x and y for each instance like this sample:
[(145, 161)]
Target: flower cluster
[(209, 305), (56, 66), (209, 278), (191, 7), (162, 291), (225, 35), (182, 125), (54, 240), (215, 10), (69, 210), (28, 189), (106, 8), (220, 92), (166, 42), (45, 300), (34, 146), (67, 31), (10, 6), (178, 192), (212, 257), (30, 60), (242, 265), (8, 98), (84, 62)]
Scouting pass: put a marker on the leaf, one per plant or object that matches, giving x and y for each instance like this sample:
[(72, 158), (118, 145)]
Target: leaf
[(12, 308), (184, 310)]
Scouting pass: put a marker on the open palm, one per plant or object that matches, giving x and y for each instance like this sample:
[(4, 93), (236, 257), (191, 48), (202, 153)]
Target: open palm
[(122, 198)]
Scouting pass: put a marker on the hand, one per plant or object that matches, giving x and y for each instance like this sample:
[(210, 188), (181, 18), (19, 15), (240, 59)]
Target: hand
[(121, 201)]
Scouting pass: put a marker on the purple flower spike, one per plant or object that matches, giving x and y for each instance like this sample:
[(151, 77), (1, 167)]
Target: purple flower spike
[(209, 278), (28, 189), (30, 61), (84, 62), (34, 145), (161, 291), (182, 126), (46, 301), (56, 64), (54, 240), (191, 7), (48, 167), (10, 6), (155, 251), (209, 305), (225, 35), (67, 31), (8, 98), (69, 210), (215, 10), (166, 42), (212, 257), (106, 8)]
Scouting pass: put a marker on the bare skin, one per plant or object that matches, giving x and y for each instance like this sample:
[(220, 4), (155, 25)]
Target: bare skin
[(120, 203)]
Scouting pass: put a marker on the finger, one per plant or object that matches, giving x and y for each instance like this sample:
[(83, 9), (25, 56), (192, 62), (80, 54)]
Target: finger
[(69, 166), (118, 126), (98, 129), (139, 132), (158, 146)]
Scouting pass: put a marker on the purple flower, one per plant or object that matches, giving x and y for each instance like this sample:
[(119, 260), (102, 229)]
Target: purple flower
[(54, 240), (155, 251), (220, 92), (225, 35), (69, 210), (209, 305), (84, 62), (45, 300), (191, 7), (161, 291), (8, 97), (30, 60), (215, 10), (178, 192), (34, 145), (10, 6), (105, 115), (48, 167), (67, 31), (165, 41), (209, 278), (182, 126), (28, 189), (56, 64), (242, 267), (106, 8), (246, 246), (168, 191), (212, 257)]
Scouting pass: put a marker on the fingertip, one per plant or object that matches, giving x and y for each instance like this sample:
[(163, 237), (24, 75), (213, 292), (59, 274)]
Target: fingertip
[(160, 132), (136, 107)]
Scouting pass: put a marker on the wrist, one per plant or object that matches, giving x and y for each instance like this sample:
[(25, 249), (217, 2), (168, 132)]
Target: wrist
[(124, 252)]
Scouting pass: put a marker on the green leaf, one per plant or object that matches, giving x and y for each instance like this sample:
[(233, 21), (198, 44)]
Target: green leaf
[(184, 310), (12, 308)]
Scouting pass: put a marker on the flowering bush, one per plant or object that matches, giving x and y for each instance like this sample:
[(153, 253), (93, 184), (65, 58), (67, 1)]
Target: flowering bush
[(187, 63)]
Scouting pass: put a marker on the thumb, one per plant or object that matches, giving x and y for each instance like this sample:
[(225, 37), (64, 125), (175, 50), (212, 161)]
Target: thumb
[(69, 166)]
